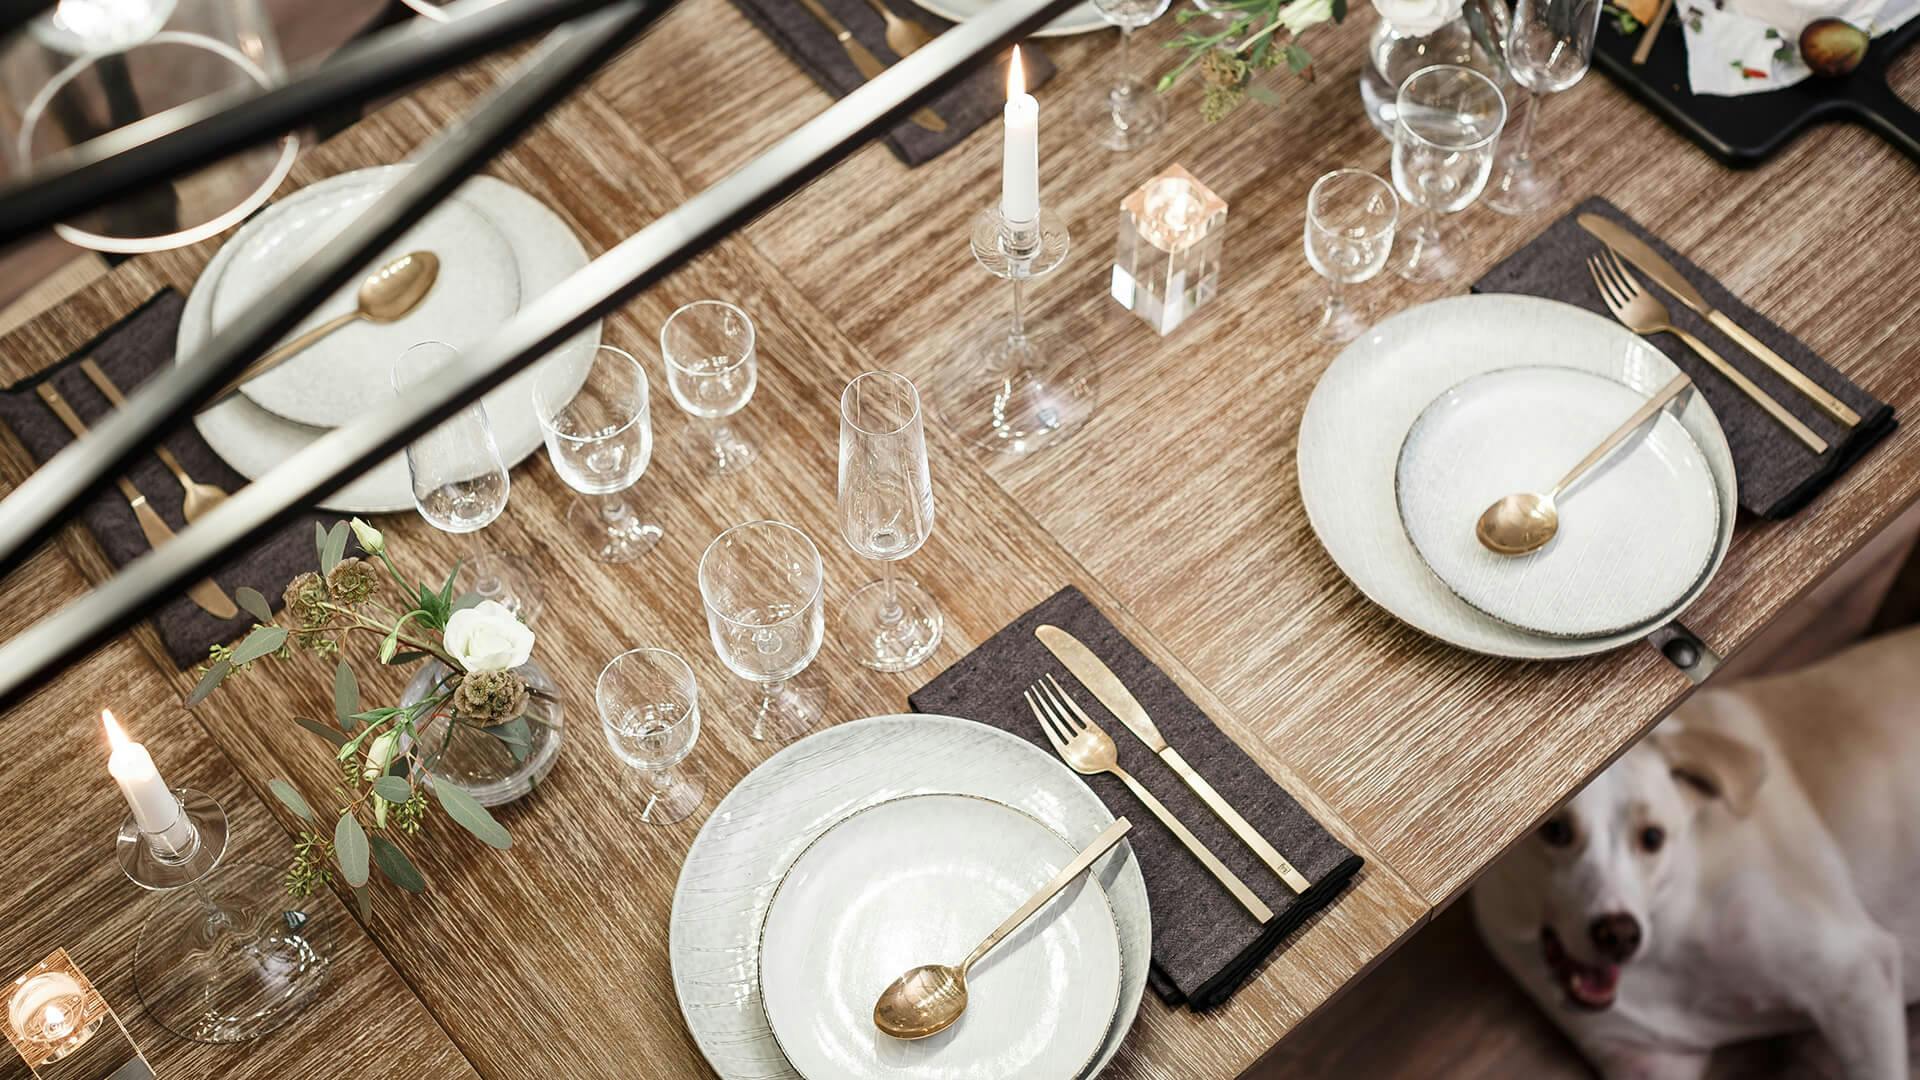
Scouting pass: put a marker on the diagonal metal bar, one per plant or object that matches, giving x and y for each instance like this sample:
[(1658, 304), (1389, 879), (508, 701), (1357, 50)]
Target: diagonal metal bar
[(35, 508), (34, 655), (204, 131)]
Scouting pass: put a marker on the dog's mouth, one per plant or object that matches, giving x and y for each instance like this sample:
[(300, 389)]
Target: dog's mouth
[(1588, 986)]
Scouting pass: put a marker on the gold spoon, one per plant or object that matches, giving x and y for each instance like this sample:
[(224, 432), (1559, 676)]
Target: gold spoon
[(1525, 521), (387, 295), (928, 999)]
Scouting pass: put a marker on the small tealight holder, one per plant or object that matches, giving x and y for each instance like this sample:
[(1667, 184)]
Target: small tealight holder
[(1167, 263), (59, 1024)]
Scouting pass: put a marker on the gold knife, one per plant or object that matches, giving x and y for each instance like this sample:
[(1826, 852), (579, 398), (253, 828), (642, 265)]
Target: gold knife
[(1636, 251), (869, 64), (210, 596), (1100, 680)]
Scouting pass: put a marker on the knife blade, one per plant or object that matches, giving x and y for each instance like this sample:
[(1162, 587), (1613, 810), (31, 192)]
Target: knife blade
[(1107, 688), (1640, 254), (868, 64)]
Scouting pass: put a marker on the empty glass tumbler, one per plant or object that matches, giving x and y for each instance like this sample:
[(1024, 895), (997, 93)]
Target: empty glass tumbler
[(460, 481), (1351, 216), (600, 438), (649, 707), (1446, 121), (761, 583), (708, 347)]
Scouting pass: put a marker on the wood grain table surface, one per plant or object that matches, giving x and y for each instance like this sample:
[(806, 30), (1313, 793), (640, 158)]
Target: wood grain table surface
[(1176, 510)]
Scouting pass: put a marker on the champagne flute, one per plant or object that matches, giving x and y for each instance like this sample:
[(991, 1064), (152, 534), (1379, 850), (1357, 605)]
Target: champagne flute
[(649, 707), (1127, 114), (886, 513), (460, 481), (600, 439), (708, 347), (1446, 120), (760, 583), (1549, 46), (1349, 231)]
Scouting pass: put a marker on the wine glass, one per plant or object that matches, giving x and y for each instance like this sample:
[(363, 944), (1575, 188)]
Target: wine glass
[(506, 579), (708, 346), (459, 479), (886, 513), (600, 439), (761, 585), (1446, 120), (1549, 45), (1126, 114), (650, 709), (1350, 219)]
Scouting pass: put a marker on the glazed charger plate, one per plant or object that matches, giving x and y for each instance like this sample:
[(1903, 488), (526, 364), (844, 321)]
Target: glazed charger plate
[(1076, 20), (756, 832), (923, 879), (1368, 400), (254, 441), (1636, 532)]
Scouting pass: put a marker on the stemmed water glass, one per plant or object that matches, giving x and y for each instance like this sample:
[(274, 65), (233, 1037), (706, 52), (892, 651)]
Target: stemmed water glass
[(1127, 114), (761, 584), (1350, 220), (1549, 45), (460, 481), (649, 707), (886, 513), (708, 347), (600, 439), (1446, 120)]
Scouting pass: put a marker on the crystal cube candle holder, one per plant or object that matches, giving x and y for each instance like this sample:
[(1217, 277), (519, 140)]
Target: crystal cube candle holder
[(1167, 262), (64, 1029)]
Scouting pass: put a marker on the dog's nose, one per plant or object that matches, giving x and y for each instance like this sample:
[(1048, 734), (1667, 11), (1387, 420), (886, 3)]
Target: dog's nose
[(1616, 935)]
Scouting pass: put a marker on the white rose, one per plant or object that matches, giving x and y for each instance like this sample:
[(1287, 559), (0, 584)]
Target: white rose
[(486, 637), (1418, 18)]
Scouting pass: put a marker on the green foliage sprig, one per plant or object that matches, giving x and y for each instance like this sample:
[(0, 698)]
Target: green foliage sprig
[(1252, 36)]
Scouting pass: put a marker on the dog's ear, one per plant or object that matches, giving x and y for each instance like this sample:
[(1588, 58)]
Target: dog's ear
[(1714, 765)]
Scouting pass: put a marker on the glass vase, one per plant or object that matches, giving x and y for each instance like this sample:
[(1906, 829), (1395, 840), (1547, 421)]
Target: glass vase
[(1392, 56), (495, 765)]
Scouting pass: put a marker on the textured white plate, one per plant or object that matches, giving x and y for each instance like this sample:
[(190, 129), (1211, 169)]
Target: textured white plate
[(1635, 533), (730, 872), (922, 879), (335, 380), (254, 441), (1368, 398), (1075, 20)]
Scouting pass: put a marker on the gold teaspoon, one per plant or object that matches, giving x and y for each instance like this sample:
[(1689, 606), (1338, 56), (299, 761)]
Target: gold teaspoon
[(928, 999)]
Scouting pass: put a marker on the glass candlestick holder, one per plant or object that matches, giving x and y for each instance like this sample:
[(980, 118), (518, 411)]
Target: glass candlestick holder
[(226, 956), (64, 1029), (1013, 389), (1166, 264)]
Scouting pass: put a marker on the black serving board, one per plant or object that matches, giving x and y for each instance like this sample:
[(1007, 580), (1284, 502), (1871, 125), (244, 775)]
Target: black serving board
[(1744, 131)]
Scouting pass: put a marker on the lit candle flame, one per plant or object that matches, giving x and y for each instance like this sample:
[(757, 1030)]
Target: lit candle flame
[(1016, 76), (116, 738)]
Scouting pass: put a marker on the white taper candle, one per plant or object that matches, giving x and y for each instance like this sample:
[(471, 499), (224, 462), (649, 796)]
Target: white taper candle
[(1020, 170), (155, 809)]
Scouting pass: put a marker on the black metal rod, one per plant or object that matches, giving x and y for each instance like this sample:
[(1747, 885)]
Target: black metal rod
[(35, 508), (201, 132), (34, 656)]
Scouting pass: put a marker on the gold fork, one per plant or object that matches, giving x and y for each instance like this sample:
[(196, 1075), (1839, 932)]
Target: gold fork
[(1090, 751), (1644, 314), (197, 498), (903, 35)]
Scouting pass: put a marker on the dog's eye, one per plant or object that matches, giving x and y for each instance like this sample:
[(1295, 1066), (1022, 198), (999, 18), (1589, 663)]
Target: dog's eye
[(1652, 837), (1557, 832)]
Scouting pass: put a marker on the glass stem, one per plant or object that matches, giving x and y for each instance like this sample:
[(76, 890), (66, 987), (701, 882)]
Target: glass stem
[(1124, 88), (613, 509), (890, 610), (1018, 331), (1523, 152), (1335, 301), (719, 433)]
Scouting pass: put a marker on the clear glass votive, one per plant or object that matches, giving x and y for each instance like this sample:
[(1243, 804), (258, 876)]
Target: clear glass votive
[(1167, 262)]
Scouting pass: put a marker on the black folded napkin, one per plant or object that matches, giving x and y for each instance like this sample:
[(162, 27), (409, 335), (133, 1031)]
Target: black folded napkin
[(1205, 945), (975, 99), (130, 352), (1777, 473)]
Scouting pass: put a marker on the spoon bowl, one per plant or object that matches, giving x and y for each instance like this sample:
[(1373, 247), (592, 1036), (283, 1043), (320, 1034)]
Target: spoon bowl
[(1518, 523), (923, 1002), (395, 289)]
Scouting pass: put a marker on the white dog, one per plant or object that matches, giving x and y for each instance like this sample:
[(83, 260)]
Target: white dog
[(1751, 868)]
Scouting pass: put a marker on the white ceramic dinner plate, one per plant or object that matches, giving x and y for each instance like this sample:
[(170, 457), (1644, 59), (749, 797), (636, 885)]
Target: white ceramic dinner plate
[(922, 879), (1636, 532), (1368, 399), (254, 441), (1085, 18), (756, 832)]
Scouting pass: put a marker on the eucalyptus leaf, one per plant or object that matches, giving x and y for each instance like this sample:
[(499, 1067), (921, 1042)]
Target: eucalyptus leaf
[(336, 547), (254, 603), (330, 734), (291, 798), (471, 816), (264, 640), (394, 789), (216, 671), (516, 734), (320, 542), (396, 866), (363, 900), (350, 849), (408, 657), (465, 601), (346, 696)]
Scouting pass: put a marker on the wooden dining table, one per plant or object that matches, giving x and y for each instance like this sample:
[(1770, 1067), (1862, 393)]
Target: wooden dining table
[(1176, 510)]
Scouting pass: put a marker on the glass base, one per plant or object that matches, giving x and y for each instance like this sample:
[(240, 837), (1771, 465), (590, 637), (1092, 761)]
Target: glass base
[(232, 957), (720, 453), (663, 797), (622, 539), (506, 579), (1123, 119), (892, 629), (492, 770), (786, 714), (1340, 323), (1520, 189), (1016, 398), (1429, 257)]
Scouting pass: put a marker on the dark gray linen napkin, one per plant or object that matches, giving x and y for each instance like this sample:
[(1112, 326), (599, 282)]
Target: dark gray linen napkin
[(1205, 945), (1777, 474), (978, 97), (130, 352)]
